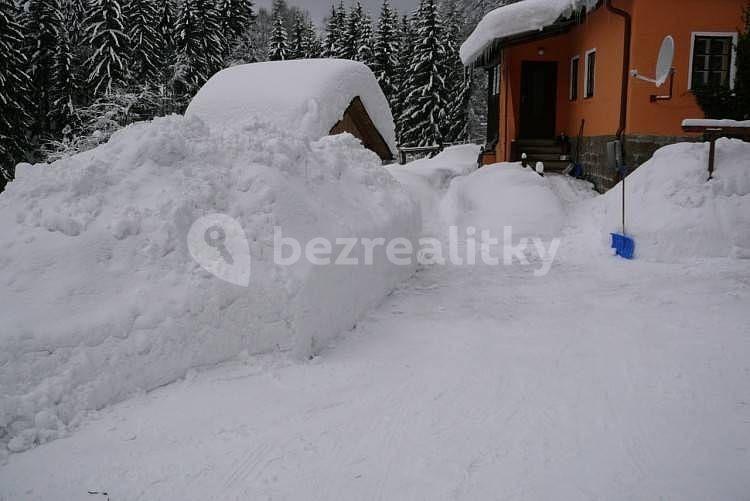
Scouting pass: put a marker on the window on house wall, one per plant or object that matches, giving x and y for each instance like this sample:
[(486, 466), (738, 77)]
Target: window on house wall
[(590, 78), (574, 72), (712, 59)]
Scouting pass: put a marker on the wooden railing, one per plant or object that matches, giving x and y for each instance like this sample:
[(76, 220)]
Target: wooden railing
[(712, 133)]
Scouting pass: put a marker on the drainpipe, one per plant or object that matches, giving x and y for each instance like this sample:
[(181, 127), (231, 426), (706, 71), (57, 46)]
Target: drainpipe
[(624, 98), (625, 65)]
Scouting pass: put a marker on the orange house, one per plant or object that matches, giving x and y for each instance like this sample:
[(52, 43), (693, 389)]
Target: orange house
[(553, 78)]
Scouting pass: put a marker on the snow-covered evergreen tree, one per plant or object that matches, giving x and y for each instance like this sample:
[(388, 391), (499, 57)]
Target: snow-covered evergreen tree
[(353, 32), (313, 43), (15, 87), (458, 79), (65, 89), (278, 47), (200, 44), (167, 46), (405, 50), (365, 41), (333, 42), (143, 32), (107, 67), (427, 102), (298, 43), (42, 28), (237, 17), (386, 51)]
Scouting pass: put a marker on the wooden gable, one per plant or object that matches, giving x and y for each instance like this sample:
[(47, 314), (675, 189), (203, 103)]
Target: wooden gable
[(357, 122)]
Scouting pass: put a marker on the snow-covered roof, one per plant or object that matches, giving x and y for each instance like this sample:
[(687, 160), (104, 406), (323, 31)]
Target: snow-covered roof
[(517, 18), (304, 95), (694, 122)]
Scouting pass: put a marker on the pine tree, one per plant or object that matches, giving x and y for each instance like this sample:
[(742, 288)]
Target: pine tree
[(313, 43), (365, 41), (353, 33), (237, 18), (298, 45), (200, 44), (278, 49), (457, 125), (334, 34), (167, 46), (42, 28), (143, 31), (105, 33), (405, 50), (427, 101), (65, 88), (458, 80), (385, 57), (15, 87)]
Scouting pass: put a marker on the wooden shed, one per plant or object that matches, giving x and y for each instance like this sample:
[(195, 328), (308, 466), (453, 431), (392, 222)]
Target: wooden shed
[(310, 97)]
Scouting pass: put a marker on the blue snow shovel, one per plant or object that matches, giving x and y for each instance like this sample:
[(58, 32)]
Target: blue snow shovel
[(623, 245)]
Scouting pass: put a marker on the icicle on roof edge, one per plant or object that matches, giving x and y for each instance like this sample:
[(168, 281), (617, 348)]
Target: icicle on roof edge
[(517, 18)]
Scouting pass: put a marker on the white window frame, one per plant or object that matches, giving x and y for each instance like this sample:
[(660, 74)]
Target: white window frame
[(571, 89), (733, 61), (586, 94)]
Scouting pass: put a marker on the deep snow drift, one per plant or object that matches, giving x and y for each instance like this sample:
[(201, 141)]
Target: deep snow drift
[(307, 96), (673, 212), (100, 297), (427, 179), (605, 379), (504, 195)]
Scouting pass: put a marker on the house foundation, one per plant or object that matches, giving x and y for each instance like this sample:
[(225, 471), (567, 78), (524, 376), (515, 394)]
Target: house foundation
[(638, 149)]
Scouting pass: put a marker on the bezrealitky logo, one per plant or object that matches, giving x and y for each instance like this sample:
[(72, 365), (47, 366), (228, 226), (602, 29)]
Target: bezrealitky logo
[(219, 244)]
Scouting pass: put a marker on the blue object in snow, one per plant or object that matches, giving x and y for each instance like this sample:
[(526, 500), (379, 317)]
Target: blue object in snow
[(623, 245)]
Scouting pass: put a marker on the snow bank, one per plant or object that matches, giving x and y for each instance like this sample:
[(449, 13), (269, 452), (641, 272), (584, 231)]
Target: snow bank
[(673, 212), (427, 179), (304, 95), (517, 18), (100, 297), (503, 195)]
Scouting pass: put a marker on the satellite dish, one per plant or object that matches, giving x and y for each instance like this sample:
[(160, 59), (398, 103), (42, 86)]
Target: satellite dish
[(663, 64)]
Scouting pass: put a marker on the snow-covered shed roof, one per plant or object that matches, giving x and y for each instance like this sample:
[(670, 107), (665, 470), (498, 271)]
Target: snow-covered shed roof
[(517, 18), (308, 96)]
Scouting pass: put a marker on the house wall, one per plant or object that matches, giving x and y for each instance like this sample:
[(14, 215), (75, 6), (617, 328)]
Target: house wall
[(652, 21), (649, 125), (595, 33)]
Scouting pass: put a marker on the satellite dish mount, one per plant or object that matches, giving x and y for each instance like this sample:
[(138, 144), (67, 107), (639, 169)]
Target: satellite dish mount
[(664, 70)]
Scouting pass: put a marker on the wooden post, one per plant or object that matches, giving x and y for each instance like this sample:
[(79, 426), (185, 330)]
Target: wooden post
[(712, 157)]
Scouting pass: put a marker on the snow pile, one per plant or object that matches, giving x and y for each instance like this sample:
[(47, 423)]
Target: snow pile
[(503, 195), (100, 297), (428, 179), (517, 18), (673, 212), (303, 95)]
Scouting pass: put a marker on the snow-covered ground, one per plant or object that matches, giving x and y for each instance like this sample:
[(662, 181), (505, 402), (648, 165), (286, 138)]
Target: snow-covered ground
[(604, 379), (100, 295)]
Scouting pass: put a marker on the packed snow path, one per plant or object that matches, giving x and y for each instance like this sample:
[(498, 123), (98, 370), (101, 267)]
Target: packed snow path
[(602, 380)]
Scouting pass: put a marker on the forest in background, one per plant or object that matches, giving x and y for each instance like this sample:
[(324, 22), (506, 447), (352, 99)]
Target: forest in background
[(75, 71)]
